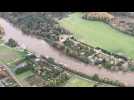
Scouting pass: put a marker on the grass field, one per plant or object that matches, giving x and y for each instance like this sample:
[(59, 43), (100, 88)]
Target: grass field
[(99, 34), (24, 75), (77, 81), (8, 55)]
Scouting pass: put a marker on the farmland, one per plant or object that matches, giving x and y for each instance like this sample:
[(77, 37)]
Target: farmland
[(77, 81), (23, 76), (99, 34), (13, 53), (9, 54)]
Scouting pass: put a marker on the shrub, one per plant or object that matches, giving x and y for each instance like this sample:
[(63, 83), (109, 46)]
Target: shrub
[(51, 60), (22, 69), (11, 43), (131, 68), (84, 59), (107, 65), (95, 77)]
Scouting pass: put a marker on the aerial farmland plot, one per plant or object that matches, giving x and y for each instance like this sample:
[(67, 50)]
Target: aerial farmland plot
[(9, 55), (23, 76), (78, 81), (99, 34)]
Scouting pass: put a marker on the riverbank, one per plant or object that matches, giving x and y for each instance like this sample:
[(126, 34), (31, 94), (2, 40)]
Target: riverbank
[(99, 34), (40, 47), (121, 21)]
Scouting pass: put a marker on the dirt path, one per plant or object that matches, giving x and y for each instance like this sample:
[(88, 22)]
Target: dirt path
[(40, 47)]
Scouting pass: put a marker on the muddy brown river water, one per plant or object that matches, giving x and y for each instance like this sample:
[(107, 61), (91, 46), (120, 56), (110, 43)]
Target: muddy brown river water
[(40, 47)]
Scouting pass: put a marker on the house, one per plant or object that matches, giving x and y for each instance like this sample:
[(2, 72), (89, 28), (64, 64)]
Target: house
[(21, 65), (63, 38)]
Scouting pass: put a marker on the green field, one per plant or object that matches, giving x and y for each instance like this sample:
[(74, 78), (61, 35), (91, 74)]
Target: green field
[(99, 34), (24, 75), (9, 55), (77, 81)]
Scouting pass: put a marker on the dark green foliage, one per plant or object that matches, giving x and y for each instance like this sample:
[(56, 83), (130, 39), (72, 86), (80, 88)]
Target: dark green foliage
[(22, 69), (107, 65), (131, 68), (68, 43), (11, 43), (40, 24), (51, 60), (95, 77)]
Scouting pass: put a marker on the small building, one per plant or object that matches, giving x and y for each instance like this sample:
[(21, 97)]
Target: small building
[(21, 65), (63, 38)]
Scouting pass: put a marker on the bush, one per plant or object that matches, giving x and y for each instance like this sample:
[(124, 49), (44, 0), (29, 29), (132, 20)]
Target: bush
[(131, 68), (68, 43), (11, 43), (107, 65), (84, 59), (95, 77), (51, 60), (22, 69)]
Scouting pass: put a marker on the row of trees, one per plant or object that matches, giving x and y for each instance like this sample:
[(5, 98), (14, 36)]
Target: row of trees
[(89, 55), (107, 81), (117, 22), (96, 17), (21, 70), (41, 24)]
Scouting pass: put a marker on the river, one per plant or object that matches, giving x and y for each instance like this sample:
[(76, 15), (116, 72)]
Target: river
[(40, 47)]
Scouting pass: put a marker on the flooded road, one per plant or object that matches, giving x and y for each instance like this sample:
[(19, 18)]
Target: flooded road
[(41, 47)]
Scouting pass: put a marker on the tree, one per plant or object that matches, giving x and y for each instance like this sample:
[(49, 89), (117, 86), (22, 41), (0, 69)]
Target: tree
[(1, 32), (84, 59), (22, 69), (11, 43), (107, 65), (51, 60), (95, 77)]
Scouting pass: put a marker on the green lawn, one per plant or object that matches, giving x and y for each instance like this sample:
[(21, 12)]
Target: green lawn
[(99, 34), (77, 81)]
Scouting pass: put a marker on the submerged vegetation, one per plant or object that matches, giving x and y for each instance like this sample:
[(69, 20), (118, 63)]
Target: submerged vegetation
[(91, 42), (45, 27)]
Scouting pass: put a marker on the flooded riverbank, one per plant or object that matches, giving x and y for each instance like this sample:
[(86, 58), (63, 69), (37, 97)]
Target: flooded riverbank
[(41, 47)]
